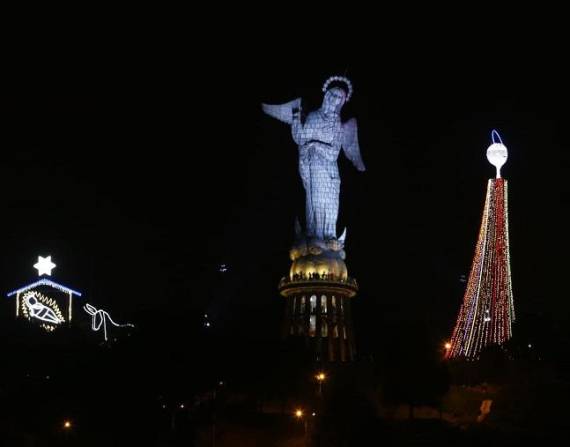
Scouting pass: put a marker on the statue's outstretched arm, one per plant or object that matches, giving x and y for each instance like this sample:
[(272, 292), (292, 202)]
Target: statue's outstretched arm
[(350, 144), (283, 112)]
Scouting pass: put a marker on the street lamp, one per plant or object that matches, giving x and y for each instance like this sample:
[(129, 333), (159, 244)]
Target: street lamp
[(321, 377), (447, 349), (66, 430), (299, 413)]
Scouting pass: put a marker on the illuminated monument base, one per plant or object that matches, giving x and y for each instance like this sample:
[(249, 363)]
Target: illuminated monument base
[(318, 292)]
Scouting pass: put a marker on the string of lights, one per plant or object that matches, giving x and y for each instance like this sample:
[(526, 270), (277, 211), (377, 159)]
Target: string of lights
[(44, 282), (487, 312), (37, 306), (100, 317)]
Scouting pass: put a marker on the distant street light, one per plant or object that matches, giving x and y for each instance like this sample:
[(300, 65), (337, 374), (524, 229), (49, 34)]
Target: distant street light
[(67, 430), (299, 415), (447, 346), (321, 377)]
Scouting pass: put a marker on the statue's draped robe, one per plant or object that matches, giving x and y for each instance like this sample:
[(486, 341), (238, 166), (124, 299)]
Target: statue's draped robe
[(319, 140)]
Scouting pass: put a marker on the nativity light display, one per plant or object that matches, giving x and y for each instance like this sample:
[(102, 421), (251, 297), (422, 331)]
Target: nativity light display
[(487, 313), (44, 301)]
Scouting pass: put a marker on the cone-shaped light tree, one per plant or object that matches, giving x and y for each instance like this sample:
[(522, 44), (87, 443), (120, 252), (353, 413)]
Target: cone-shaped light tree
[(487, 313)]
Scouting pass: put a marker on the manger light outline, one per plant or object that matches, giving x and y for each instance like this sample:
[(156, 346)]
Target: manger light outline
[(42, 302)]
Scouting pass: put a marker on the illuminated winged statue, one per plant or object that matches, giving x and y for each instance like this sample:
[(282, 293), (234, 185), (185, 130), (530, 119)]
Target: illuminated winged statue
[(320, 137)]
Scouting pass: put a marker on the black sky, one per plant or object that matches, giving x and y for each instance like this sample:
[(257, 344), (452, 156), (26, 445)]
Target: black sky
[(140, 166)]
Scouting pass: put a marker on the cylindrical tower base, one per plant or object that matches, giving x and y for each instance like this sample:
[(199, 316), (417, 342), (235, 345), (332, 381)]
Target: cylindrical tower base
[(320, 311)]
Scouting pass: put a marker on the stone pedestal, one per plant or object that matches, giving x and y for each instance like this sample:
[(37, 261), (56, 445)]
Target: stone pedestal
[(318, 293)]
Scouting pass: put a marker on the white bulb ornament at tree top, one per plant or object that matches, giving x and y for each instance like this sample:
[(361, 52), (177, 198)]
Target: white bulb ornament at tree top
[(497, 153), (100, 317)]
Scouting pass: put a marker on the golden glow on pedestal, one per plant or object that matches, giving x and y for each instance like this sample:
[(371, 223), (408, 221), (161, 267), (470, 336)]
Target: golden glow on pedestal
[(321, 265), (299, 413)]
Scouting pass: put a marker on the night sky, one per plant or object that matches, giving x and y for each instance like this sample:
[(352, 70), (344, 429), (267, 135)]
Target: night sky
[(141, 167)]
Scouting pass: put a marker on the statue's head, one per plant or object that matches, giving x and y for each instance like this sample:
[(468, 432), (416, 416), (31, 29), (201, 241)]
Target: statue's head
[(336, 95), (334, 100)]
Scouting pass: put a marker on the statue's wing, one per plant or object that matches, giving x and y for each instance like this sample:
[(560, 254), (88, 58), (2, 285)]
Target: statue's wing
[(283, 112), (350, 144)]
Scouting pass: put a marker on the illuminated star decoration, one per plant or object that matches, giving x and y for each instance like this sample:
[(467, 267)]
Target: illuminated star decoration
[(44, 265), (100, 317)]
